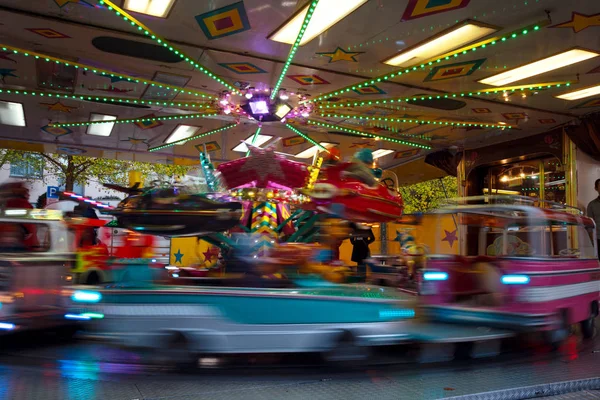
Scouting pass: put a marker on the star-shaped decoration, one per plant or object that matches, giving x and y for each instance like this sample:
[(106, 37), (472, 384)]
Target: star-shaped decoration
[(264, 163), (340, 55), (62, 3), (580, 22), (178, 256), (362, 145), (210, 254), (135, 141), (58, 106), (450, 237), (4, 55), (4, 72)]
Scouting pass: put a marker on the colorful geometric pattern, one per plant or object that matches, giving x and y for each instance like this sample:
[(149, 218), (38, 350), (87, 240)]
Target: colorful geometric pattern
[(135, 141), (407, 153), (580, 22), (62, 3), (224, 21), (243, 68), (264, 225), (589, 104), (340, 55), (514, 115), (424, 8), (308, 79), (56, 131), (48, 33), (455, 70), (293, 141), (547, 121), (481, 110), (283, 212), (210, 146), (372, 89), (58, 106), (148, 124), (71, 150)]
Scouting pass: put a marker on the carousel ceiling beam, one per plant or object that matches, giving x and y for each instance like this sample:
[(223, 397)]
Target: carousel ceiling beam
[(307, 138), (470, 94), (294, 47), (172, 117), (198, 136), (100, 71), (501, 125), (369, 135), (455, 53), (103, 99), (163, 42)]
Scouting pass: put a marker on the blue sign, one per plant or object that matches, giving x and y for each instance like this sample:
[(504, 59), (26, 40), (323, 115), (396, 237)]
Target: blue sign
[(52, 192)]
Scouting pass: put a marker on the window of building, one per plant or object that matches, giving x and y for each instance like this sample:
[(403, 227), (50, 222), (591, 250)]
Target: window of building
[(30, 167)]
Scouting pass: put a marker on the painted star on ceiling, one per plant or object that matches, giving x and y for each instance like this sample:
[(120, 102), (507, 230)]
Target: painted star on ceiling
[(4, 72), (580, 22), (340, 55), (58, 106), (135, 141), (4, 55)]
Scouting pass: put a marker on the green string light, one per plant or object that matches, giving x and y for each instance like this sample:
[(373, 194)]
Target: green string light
[(305, 136), (253, 139), (99, 71), (107, 100), (360, 133), (417, 121), (494, 91), (134, 120), (294, 48), (147, 32), (519, 32), (201, 135)]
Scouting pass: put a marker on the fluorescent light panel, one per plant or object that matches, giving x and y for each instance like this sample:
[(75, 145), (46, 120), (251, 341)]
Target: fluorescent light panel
[(327, 14), (156, 8), (381, 153), (12, 113), (581, 93), (547, 64), (283, 110), (260, 140), (101, 129), (448, 40), (310, 152), (182, 132)]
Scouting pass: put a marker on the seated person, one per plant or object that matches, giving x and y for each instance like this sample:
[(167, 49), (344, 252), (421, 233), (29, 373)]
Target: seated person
[(360, 168)]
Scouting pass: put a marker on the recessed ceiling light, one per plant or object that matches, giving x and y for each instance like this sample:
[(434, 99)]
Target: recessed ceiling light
[(156, 8), (181, 132), (283, 110), (310, 152), (381, 152), (581, 93), (260, 140), (326, 14), (12, 113), (551, 63), (101, 129), (450, 39)]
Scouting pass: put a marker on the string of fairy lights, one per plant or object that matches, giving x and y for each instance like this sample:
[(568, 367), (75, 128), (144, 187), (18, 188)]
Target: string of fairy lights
[(419, 121), (135, 120)]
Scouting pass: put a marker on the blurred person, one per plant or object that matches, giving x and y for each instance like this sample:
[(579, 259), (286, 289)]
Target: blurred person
[(593, 211), (361, 238), (16, 195)]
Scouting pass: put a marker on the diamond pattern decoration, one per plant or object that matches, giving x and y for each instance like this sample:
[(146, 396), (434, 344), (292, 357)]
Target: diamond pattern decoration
[(455, 70), (224, 21), (56, 131), (366, 90), (243, 68), (424, 8), (306, 80), (144, 125), (48, 33), (293, 141), (210, 146), (481, 110)]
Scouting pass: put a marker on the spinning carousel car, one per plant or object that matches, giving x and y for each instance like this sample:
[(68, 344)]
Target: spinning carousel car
[(175, 211), (357, 196)]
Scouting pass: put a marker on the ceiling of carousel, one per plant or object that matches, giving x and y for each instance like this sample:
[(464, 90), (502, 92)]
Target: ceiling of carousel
[(404, 77)]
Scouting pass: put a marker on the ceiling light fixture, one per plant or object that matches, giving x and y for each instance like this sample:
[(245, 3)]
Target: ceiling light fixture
[(450, 39), (101, 129), (547, 64), (310, 152), (198, 136), (258, 141), (248, 95), (171, 117), (156, 8), (181, 132), (283, 95), (326, 14), (381, 153), (12, 114), (581, 93), (418, 121)]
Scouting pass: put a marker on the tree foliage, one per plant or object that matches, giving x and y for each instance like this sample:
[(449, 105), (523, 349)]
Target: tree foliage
[(426, 196)]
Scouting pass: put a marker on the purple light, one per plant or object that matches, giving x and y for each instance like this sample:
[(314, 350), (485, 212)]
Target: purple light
[(259, 107)]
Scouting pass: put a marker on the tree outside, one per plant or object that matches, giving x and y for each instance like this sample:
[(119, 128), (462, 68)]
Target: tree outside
[(426, 196)]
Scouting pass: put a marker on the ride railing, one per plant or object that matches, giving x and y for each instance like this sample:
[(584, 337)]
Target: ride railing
[(511, 200)]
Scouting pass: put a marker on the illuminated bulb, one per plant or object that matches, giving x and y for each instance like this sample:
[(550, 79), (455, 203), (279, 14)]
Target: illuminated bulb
[(251, 194), (227, 110), (283, 95), (270, 195), (522, 175), (249, 95), (224, 102), (504, 179), (305, 114)]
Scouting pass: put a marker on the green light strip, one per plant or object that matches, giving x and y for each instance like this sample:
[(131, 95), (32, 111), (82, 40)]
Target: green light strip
[(360, 133), (253, 140), (294, 48), (143, 28), (511, 35), (418, 121), (164, 146), (449, 95), (134, 120), (303, 135), (101, 71), (109, 100)]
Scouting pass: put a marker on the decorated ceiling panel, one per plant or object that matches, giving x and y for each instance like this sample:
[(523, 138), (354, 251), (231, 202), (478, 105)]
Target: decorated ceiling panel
[(409, 76)]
